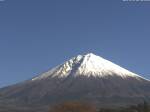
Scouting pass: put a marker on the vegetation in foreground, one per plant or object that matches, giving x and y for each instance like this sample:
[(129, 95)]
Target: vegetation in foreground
[(85, 107)]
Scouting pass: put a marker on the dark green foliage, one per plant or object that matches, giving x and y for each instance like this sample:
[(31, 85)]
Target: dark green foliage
[(146, 108)]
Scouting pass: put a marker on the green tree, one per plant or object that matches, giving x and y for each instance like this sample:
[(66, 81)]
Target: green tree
[(145, 107)]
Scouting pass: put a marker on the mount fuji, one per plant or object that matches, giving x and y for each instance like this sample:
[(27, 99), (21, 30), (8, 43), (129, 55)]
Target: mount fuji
[(88, 77), (88, 65)]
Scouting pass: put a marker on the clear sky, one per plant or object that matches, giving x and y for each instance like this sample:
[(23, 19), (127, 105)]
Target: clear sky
[(36, 35)]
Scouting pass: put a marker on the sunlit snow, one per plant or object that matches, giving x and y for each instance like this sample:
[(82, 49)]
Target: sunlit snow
[(87, 65)]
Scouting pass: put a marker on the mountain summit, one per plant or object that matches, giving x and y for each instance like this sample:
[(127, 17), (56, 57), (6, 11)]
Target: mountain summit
[(88, 65), (86, 77)]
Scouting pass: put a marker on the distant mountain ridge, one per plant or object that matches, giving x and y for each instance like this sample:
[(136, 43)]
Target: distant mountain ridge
[(85, 77)]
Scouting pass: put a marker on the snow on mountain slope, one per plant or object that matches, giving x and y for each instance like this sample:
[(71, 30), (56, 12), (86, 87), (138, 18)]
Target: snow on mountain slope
[(84, 77), (88, 65)]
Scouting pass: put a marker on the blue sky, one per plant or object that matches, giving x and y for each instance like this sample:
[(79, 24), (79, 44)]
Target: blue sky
[(36, 35)]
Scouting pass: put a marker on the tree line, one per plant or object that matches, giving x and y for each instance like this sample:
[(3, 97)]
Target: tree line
[(86, 107)]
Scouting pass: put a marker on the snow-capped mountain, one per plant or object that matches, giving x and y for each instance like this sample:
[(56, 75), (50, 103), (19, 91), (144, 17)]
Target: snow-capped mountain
[(88, 65), (85, 77)]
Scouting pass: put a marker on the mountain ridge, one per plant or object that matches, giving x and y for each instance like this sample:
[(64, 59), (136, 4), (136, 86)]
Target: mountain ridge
[(87, 78), (90, 63)]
